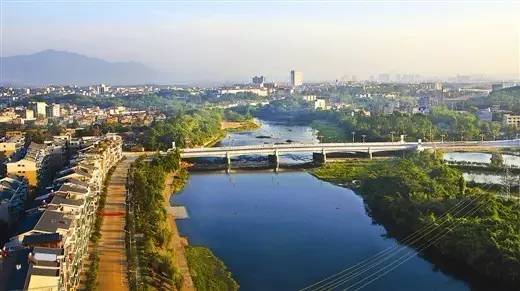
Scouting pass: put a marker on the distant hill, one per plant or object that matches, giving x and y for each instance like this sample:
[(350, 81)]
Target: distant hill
[(66, 68)]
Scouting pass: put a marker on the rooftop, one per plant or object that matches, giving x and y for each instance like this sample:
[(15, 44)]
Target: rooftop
[(35, 239), (51, 221), (8, 187), (61, 200), (68, 187)]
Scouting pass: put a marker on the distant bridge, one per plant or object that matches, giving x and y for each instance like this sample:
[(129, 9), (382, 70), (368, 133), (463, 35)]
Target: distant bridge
[(320, 150)]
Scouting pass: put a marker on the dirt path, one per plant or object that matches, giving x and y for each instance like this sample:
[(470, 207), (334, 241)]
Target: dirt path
[(112, 273), (177, 242)]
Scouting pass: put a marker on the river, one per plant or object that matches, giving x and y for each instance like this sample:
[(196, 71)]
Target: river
[(481, 177), (287, 230)]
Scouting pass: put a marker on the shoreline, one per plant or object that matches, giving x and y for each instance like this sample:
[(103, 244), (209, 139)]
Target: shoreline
[(177, 242), (238, 126)]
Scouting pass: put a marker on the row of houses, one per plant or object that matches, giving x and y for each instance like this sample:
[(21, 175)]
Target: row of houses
[(54, 248), (38, 162), (10, 145), (13, 195)]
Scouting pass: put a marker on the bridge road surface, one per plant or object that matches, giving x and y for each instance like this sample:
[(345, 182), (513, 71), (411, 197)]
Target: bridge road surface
[(343, 147), (112, 273)]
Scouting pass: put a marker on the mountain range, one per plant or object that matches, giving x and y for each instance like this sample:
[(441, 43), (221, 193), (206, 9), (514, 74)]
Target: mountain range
[(52, 67)]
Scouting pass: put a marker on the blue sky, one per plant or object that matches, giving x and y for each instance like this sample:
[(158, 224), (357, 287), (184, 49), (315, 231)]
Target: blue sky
[(232, 40)]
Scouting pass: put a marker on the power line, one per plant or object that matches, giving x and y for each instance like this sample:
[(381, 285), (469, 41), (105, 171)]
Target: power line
[(412, 238), (367, 264), (381, 252), (410, 256), (348, 277)]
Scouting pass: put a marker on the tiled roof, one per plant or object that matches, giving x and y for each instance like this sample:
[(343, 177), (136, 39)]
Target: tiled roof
[(51, 221)]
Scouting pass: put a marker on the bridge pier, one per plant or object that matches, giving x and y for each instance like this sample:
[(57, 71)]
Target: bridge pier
[(274, 159), (320, 158), (228, 159), (419, 146)]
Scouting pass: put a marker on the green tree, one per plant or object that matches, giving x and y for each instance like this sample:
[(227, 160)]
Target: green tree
[(497, 160)]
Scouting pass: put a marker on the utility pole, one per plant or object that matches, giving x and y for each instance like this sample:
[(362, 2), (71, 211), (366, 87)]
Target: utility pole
[(353, 134)]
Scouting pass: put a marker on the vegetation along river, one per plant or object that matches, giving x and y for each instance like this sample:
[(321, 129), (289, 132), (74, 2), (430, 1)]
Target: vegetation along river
[(287, 230)]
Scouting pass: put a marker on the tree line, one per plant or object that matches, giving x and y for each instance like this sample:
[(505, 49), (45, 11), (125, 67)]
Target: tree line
[(188, 129), (440, 124)]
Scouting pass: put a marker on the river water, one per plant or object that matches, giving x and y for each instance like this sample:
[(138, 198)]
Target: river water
[(481, 177), (287, 230)]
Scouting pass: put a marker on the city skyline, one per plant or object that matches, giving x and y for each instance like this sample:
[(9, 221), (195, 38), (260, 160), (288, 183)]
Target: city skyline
[(227, 41)]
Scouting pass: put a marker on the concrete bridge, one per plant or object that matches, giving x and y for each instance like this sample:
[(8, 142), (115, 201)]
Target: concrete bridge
[(320, 150)]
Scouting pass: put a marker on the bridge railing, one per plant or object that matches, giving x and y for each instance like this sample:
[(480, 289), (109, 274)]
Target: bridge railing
[(399, 144), (302, 145)]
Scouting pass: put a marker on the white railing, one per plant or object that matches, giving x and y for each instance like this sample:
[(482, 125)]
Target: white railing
[(360, 146)]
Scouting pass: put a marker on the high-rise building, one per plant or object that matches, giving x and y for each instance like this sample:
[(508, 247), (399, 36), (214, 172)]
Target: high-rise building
[(53, 110), (39, 109), (104, 89), (258, 80), (296, 78)]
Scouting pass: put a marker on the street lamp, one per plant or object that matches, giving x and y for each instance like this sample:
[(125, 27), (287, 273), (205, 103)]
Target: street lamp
[(353, 134)]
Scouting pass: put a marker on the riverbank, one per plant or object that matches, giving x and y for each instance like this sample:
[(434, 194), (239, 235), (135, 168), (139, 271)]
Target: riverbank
[(407, 195), (173, 183), (235, 126), (200, 268), (154, 256), (215, 139), (231, 126)]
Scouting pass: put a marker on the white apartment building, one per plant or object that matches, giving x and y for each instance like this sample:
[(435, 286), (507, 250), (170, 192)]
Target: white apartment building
[(511, 120), (39, 108), (11, 145), (60, 238), (53, 110), (258, 91), (296, 78)]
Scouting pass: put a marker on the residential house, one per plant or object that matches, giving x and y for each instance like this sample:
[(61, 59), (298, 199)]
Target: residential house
[(13, 194)]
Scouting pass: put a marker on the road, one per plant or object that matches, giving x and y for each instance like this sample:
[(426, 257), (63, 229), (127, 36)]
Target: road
[(112, 273)]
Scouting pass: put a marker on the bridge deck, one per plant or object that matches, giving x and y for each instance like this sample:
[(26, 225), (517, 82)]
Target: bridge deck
[(368, 147)]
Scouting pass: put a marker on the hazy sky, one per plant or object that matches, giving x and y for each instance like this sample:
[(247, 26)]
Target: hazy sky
[(233, 40)]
